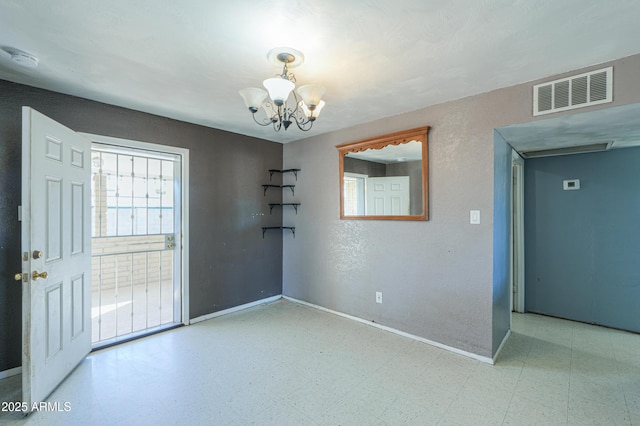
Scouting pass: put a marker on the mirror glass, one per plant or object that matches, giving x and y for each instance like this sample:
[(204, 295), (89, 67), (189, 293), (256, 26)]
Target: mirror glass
[(385, 177)]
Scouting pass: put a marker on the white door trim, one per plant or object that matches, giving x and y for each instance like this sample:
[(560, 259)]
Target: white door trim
[(517, 233), (184, 213)]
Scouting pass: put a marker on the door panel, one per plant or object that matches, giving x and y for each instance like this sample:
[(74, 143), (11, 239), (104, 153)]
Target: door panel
[(53, 230), (77, 220), (388, 195), (56, 284), (54, 319), (78, 308)]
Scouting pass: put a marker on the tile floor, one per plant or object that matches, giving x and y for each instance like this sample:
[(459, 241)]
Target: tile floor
[(288, 364), (136, 309)]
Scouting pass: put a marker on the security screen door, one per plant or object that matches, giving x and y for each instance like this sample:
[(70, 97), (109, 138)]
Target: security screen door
[(135, 229)]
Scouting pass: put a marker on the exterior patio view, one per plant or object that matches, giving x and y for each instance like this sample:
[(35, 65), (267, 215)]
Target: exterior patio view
[(132, 244)]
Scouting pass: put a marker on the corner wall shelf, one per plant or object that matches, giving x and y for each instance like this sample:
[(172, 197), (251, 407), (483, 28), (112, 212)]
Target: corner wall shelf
[(281, 204), (290, 228), (278, 186), (294, 205), (294, 171)]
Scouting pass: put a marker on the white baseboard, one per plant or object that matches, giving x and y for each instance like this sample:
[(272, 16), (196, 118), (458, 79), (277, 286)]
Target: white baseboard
[(477, 357), (235, 309), (504, 341), (10, 372)]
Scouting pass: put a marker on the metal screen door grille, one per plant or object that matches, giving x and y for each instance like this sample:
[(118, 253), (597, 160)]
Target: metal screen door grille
[(132, 213), (350, 196)]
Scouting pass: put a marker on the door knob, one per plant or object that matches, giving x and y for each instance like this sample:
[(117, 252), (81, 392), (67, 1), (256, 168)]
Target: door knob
[(37, 275), (17, 277)]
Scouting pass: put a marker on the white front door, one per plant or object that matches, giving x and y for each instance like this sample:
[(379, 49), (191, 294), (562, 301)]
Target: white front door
[(388, 196), (56, 253)]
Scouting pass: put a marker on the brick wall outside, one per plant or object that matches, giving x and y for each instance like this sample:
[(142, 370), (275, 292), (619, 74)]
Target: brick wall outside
[(141, 259)]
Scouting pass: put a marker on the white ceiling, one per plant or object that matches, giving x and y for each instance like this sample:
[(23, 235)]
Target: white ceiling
[(187, 59)]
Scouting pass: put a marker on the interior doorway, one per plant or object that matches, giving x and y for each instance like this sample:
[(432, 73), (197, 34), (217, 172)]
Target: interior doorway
[(138, 197)]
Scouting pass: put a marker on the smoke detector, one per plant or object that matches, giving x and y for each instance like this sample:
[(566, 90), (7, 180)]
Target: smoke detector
[(22, 58)]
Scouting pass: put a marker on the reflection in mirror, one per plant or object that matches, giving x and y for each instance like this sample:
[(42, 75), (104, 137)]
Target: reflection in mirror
[(385, 177)]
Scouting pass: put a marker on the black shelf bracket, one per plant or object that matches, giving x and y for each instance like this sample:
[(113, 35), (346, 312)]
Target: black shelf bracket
[(290, 228), (294, 205), (279, 186), (294, 171)]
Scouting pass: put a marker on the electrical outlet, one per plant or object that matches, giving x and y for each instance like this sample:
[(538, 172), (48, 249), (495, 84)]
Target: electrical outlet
[(378, 297)]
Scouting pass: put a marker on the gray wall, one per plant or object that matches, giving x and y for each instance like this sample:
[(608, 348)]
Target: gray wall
[(582, 246), (231, 264), (443, 279)]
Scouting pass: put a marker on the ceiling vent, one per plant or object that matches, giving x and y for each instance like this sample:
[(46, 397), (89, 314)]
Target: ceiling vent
[(591, 88), (580, 149)]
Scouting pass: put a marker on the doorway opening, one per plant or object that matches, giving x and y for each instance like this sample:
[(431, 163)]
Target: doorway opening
[(354, 191), (137, 210)]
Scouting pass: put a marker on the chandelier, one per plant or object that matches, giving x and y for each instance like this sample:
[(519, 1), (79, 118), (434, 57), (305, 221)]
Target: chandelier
[(279, 110)]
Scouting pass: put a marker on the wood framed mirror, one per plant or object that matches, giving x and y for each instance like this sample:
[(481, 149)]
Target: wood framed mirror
[(385, 177)]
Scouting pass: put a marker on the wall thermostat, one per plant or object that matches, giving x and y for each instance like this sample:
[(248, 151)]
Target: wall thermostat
[(571, 184)]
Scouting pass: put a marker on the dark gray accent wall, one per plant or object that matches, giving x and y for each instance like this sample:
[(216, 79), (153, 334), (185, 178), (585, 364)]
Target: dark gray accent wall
[(443, 279), (231, 264), (582, 246), (364, 167), (413, 169)]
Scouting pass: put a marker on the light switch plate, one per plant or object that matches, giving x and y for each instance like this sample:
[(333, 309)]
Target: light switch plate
[(474, 217)]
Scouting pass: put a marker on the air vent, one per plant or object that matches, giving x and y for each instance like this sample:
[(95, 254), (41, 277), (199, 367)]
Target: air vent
[(592, 88), (580, 149)]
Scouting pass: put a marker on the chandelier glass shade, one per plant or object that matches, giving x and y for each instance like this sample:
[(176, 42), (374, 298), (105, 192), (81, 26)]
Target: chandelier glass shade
[(303, 110), (279, 89)]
